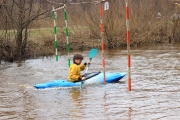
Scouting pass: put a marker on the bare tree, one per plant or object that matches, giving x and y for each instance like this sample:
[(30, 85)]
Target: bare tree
[(21, 13)]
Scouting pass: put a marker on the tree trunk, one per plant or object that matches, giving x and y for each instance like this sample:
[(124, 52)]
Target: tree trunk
[(19, 44)]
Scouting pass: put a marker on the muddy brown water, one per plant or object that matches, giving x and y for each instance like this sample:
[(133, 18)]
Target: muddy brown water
[(155, 95)]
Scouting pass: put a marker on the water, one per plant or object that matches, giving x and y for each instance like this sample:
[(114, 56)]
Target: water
[(155, 88)]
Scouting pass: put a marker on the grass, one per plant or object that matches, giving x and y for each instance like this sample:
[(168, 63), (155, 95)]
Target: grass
[(43, 34)]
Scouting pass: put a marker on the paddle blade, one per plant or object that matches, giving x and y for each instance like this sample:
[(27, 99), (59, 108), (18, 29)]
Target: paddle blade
[(92, 53)]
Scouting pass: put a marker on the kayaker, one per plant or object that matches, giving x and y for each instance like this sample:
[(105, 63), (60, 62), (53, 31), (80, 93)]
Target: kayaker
[(76, 68)]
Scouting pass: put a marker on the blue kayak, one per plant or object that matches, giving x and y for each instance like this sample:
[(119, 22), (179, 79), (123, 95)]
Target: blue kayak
[(92, 78)]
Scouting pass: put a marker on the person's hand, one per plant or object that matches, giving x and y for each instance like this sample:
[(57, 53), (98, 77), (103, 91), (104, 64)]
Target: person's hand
[(88, 62), (83, 78)]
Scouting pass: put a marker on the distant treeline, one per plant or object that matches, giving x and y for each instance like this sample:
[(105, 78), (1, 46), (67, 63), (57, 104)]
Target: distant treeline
[(26, 29)]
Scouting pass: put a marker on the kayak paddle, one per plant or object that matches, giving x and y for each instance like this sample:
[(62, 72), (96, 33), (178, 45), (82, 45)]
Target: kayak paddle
[(92, 54)]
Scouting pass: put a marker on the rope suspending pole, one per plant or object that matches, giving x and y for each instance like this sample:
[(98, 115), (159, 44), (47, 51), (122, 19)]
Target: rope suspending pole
[(128, 45), (102, 39), (67, 34)]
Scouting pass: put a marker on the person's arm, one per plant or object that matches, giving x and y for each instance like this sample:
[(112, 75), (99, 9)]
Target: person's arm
[(82, 66)]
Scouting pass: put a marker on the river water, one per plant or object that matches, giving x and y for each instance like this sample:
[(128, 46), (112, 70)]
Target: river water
[(155, 95)]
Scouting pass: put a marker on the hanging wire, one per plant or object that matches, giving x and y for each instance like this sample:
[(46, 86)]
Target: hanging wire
[(94, 2), (76, 3), (54, 2)]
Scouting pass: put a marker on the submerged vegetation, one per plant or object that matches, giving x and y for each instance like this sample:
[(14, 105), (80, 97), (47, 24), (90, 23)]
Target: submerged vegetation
[(26, 28)]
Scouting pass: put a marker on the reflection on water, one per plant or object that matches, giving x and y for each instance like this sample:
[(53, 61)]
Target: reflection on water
[(155, 88), (76, 100)]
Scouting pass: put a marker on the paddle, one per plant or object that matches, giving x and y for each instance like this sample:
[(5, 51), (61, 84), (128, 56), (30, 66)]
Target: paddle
[(92, 54)]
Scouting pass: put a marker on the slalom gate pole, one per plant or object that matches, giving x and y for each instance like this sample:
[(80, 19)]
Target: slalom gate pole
[(128, 45), (55, 30), (67, 34), (102, 41)]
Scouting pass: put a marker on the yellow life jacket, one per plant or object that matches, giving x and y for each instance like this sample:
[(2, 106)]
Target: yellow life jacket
[(75, 72)]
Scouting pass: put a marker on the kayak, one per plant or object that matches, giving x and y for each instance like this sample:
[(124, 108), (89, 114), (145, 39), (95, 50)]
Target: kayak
[(91, 78)]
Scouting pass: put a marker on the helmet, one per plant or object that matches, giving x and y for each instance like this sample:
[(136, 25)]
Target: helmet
[(77, 56)]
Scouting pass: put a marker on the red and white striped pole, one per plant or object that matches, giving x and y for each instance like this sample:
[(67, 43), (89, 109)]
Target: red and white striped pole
[(128, 45), (102, 41)]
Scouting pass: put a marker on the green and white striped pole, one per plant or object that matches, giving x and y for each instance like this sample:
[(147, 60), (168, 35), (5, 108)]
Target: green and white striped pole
[(54, 15), (67, 34)]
